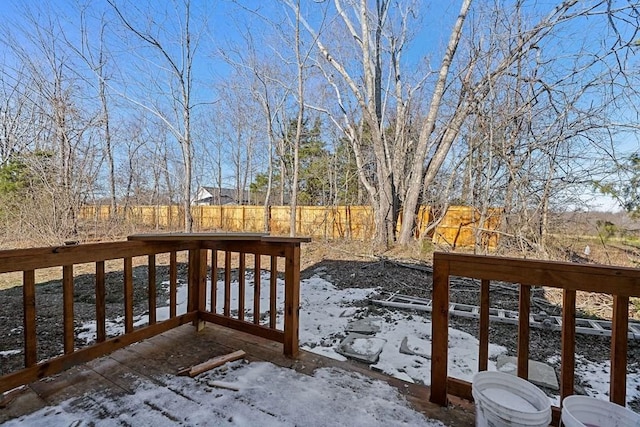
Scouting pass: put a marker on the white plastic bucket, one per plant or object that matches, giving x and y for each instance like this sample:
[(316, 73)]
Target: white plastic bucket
[(505, 400), (581, 411)]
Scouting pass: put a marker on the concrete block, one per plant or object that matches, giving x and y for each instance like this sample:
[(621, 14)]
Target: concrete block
[(365, 326), (363, 348), (415, 349), (540, 373)]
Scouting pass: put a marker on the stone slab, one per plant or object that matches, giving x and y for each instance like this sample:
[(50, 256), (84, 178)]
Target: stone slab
[(406, 349), (363, 326), (540, 373), (349, 312), (360, 347)]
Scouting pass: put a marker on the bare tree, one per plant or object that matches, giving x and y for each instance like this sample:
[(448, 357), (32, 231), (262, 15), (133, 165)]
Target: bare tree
[(60, 149), (180, 74), (97, 59), (404, 165)]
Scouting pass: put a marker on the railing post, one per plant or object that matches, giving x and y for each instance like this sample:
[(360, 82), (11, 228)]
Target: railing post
[(485, 301), (291, 299), (619, 337), (439, 331), (67, 287), (568, 343), (128, 295), (197, 281), (29, 318), (524, 309)]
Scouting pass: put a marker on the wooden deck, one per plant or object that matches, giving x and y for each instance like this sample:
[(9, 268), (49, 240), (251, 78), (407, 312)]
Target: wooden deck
[(117, 373)]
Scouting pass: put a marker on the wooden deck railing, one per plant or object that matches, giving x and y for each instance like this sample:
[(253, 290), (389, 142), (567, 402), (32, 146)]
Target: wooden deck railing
[(199, 247), (621, 283)]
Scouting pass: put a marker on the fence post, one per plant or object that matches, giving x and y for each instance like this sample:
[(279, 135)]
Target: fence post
[(291, 299)]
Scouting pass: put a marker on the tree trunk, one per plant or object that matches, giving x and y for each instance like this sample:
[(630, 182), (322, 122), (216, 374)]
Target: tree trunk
[(417, 170)]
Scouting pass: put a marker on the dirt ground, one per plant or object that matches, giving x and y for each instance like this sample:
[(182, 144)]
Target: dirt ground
[(346, 264), (409, 273)]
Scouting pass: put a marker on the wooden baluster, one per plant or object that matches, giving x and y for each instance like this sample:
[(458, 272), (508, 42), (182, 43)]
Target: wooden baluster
[(273, 292), (173, 283), (101, 330), (439, 332), (152, 289), (291, 300), (202, 283), (568, 343), (192, 282), (128, 295), (67, 296), (483, 352), (619, 337), (256, 290), (227, 283), (197, 278), (241, 285), (524, 308), (214, 280), (29, 317)]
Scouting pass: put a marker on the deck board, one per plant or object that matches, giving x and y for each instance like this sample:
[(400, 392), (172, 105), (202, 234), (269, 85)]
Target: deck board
[(153, 359)]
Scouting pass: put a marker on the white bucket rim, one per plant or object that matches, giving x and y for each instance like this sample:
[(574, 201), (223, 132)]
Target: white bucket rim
[(595, 405), (516, 385)]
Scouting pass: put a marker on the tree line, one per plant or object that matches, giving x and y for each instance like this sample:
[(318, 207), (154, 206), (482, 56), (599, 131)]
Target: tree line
[(522, 105)]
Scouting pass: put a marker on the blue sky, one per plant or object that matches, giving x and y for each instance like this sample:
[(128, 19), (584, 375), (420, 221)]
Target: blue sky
[(226, 24)]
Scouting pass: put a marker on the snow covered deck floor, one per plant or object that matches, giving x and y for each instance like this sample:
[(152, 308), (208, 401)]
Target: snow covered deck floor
[(104, 387)]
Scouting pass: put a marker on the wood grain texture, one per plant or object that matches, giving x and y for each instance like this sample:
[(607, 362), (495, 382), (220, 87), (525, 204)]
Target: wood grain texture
[(67, 296), (592, 278), (524, 309), (29, 318), (101, 330), (214, 281), (152, 288), (440, 332), (173, 283), (242, 267), (485, 303), (619, 331), (128, 295), (273, 292), (163, 355), (227, 284), (212, 363), (37, 258), (567, 355), (58, 364), (256, 289), (291, 300), (250, 328)]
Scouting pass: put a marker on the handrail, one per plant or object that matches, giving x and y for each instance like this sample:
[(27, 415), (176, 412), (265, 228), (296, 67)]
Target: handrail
[(198, 246), (619, 282)]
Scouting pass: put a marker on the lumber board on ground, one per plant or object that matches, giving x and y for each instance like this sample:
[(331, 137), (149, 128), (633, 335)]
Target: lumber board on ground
[(212, 363)]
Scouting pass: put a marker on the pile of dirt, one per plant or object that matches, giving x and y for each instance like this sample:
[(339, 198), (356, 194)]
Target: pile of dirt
[(411, 274)]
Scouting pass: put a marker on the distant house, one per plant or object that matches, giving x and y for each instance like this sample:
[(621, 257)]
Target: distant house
[(220, 196)]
